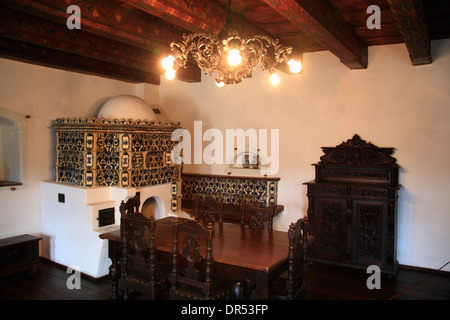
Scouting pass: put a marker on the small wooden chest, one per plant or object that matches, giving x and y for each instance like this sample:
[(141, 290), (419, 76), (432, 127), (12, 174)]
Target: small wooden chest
[(19, 253)]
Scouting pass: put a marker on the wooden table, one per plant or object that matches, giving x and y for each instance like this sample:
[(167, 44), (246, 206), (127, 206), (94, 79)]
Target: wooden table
[(238, 253)]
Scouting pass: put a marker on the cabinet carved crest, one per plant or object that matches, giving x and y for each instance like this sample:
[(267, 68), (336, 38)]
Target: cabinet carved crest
[(356, 151)]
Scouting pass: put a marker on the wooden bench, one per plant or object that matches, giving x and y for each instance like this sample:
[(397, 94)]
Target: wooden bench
[(19, 253)]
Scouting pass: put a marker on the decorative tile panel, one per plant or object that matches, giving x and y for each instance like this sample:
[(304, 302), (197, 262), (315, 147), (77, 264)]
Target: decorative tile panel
[(116, 152), (232, 190)]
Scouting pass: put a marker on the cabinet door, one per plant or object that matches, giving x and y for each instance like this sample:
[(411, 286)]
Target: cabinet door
[(330, 228), (369, 225)]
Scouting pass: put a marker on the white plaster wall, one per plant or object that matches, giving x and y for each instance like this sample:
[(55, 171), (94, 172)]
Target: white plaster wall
[(391, 103), (46, 94)]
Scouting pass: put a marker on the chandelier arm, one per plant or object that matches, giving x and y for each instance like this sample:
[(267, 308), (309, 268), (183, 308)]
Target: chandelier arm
[(254, 52), (202, 47), (280, 51)]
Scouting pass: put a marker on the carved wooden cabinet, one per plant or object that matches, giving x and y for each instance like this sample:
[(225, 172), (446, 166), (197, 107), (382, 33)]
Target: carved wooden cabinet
[(352, 206)]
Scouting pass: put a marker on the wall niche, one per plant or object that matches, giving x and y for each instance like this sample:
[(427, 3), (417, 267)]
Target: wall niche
[(13, 148)]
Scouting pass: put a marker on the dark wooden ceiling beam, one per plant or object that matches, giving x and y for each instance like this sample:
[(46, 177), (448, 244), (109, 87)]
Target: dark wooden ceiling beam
[(321, 23), (107, 19), (40, 24), (38, 31), (26, 52), (199, 16), (410, 17), (203, 16)]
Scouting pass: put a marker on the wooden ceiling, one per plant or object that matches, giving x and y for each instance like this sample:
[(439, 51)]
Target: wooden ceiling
[(126, 39)]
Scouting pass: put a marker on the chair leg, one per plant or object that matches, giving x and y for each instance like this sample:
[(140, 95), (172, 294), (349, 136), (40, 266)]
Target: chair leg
[(246, 290)]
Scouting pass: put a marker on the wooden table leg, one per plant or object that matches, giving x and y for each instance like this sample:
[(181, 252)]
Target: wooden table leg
[(262, 285), (114, 269)]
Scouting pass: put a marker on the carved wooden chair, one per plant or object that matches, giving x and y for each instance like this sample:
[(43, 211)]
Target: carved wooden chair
[(191, 275), (140, 270), (293, 283), (208, 210), (257, 217)]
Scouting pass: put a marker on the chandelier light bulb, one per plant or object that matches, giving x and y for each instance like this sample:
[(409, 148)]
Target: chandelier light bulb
[(234, 57), (294, 66), (274, 78), (167, 62), (170, 74), (220, 84)]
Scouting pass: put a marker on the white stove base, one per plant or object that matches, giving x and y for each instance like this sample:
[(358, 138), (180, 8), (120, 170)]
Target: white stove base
[(70, 229)]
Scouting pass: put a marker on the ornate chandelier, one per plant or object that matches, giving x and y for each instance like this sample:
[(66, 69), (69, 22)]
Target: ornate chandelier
[(230, 56)]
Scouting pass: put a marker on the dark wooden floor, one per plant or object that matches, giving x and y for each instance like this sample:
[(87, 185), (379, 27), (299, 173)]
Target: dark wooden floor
[(336, 283), (325, 283)]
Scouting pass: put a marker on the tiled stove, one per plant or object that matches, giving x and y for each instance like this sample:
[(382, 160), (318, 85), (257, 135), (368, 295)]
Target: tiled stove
[(99, 163)]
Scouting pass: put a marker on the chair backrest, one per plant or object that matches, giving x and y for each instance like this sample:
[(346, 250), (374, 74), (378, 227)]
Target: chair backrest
[(208, 211), (131, 205), (297, 258), (192, 268), (257, 217), (138, 245)]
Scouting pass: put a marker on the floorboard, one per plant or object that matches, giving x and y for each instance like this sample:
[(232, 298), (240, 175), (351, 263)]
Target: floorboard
[(328, 282), (325, 283)]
